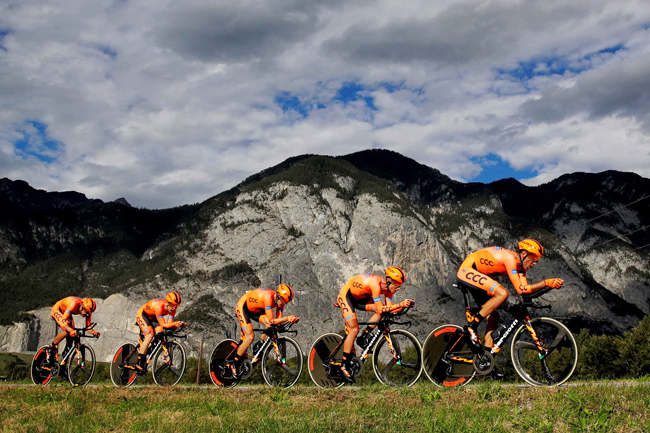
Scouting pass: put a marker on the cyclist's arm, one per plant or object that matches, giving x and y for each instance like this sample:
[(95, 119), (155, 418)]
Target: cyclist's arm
[(520, 282), (167, 322), (88, 317)]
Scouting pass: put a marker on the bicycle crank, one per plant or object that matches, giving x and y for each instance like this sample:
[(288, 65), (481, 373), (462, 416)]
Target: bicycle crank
[(483, 363)]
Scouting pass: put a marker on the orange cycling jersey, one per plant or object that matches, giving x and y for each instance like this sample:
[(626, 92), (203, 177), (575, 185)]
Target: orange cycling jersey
[(63, 310), (255, 303), (489, 261), (156, 311), (362, 292)]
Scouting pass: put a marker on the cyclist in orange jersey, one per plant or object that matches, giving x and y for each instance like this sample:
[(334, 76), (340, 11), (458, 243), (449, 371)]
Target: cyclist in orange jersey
[(364, 292), (62, 313), (258, 305), (153, 317), (476, 274)]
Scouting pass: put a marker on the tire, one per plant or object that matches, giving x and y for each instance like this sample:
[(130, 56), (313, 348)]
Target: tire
[(169, 364), (323, 375), (219, 373), (282, 369), (126, 354), (560, 362), (403, 372), (446, 374), (81, 365), (41, 373)]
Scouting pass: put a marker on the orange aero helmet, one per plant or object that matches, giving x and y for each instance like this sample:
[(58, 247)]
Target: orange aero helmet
[(173, 298), (396, 274), (532, 246), (89, 304), (285, 292)]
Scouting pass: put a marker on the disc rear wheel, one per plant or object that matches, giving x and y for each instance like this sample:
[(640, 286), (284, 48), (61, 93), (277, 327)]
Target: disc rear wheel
[(322, 373), (123, 365), (220, 373), (440, 348), (42, 371)]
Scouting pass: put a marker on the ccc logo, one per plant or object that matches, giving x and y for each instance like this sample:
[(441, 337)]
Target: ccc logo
[(357, 285), (477, 278), (485, 261)]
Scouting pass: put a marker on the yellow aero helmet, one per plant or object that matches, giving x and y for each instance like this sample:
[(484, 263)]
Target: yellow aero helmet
[(396, 274), (532, 246), (173, 298), (89, 304), (285, 292)]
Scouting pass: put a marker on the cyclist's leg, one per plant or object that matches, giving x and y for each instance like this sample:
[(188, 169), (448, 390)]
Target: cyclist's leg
[(488, 293), (351, 330), (60, 323), (246, 327), (147, 332)]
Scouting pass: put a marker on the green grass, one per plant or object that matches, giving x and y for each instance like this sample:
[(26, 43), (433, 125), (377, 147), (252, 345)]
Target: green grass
[(485, 408)]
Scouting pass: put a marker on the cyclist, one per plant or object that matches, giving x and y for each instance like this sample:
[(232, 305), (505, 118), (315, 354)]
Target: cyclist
[(258, 305), (477, 272), (364, 292), (62, 313), (154, 317)]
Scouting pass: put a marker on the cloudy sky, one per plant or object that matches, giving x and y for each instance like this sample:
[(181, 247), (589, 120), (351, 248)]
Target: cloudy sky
[(169, 102)]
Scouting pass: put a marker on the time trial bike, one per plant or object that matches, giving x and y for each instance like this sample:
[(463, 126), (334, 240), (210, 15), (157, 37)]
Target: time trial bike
[(77, 361), (396, 355), (542, 350), (167, 358), (280, 356)]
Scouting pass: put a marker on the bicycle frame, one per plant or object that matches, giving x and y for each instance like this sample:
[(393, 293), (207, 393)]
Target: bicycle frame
[(158, 341), (272, 338), (521, 315), (384, 330)]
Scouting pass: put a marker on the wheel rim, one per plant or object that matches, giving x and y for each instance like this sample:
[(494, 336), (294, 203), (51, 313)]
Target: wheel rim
[(319, 351), (282, 368), (403, 370), (448, 374), (124, 355), (169, 364), (81, 366), (218, 373), (557, 366)]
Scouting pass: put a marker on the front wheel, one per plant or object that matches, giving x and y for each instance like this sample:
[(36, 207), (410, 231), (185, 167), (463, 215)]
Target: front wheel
[(42, 370), (397, 359), (326, 349), (282, 362), (220, 373), (447, 357), (81, 365), (123, 371), (169, 364), (555, 363)]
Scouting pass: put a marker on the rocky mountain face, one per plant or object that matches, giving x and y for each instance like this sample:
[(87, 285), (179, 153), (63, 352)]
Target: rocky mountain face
[(314, 222)]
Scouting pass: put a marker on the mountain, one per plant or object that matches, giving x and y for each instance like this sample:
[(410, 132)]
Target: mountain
[(314, 221)]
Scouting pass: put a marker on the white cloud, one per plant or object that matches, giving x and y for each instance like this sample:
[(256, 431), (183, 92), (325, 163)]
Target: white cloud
[(168, 102)]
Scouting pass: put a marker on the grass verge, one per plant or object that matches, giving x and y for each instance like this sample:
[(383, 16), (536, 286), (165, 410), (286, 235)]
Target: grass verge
[(485, 408)]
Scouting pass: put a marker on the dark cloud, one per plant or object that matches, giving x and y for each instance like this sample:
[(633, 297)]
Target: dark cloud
[(620, 89), (460, 34), (236, 31)]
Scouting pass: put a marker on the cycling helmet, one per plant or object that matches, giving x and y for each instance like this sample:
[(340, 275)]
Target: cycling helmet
[(173, 298), (89, 304), (396, 274), (285, 292), (532, 246)]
